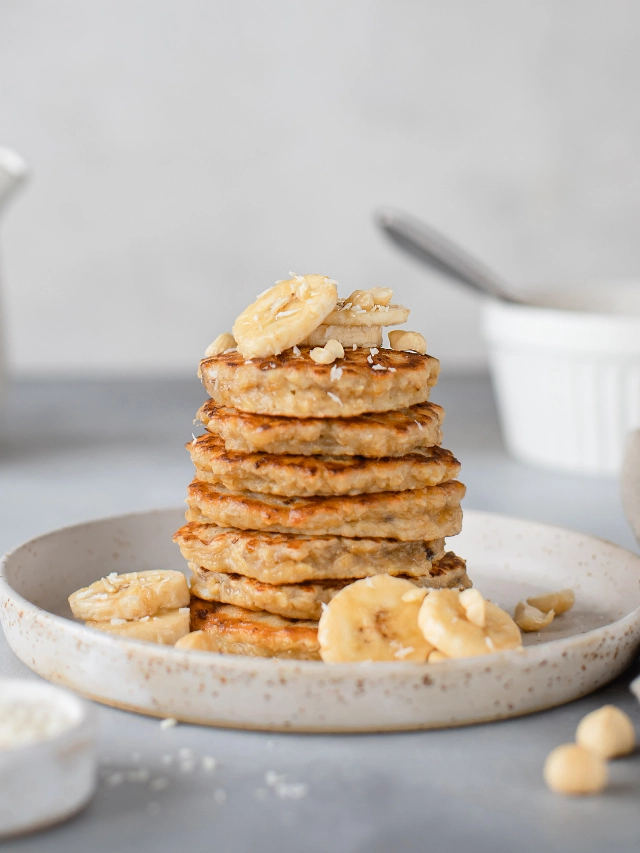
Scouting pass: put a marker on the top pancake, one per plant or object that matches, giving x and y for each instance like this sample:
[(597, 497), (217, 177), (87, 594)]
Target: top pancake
[(372, 434), (295, 386)]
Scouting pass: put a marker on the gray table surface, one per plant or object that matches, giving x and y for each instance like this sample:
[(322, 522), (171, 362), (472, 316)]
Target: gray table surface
[(70, 451)]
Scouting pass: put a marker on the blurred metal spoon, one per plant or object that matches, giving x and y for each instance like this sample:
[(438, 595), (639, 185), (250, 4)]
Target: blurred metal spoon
[(436, 251)]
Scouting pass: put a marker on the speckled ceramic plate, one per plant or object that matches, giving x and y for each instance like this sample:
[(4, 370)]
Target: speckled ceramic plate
[(508, 559)]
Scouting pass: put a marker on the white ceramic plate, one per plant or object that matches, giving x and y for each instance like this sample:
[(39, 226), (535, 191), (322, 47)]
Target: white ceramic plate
[(508, 559)]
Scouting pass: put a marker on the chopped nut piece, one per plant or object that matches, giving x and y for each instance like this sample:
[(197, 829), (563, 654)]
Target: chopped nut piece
[(223, 342), (608, 732), (381, 295), (475, 607), (559, 602), (529, 618), (571, 769), (328, 353), (361, 299), (401, 340)]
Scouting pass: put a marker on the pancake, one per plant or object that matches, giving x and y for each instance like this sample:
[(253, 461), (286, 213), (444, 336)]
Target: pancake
[(280, 558), (295, 386), (430, 513), (305, 600), (372, 435), (237, 631), (301, 476)]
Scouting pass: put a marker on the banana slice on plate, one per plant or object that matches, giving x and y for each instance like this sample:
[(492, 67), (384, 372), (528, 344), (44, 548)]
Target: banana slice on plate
[(348, 336), (130, 596), (375, 619), (165, 628), (284, 315), (465, 625)]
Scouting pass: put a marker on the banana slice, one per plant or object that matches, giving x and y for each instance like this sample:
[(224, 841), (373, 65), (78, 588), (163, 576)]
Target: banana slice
[(367, 308), (198, 641), (348, 336), (130, 596), (373, 619), (284, 315), (460, 626), (165, 628)]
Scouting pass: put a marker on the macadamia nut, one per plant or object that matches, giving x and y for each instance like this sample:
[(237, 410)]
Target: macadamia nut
[(572, 769), (401, 340), (607, 732), (529, 618), (559, 602), (328, 353), (222, 343)]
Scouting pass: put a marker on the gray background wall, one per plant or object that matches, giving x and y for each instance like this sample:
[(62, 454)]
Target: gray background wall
[(186, 154)]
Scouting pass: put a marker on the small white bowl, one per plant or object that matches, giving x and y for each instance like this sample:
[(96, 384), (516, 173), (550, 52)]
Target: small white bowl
[(47, 780), (567, 375)]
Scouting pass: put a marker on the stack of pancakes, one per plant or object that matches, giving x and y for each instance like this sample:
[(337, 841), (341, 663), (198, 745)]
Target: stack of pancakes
[(308, 477)]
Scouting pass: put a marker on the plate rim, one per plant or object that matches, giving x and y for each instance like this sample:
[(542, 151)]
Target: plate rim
[(302, 667)]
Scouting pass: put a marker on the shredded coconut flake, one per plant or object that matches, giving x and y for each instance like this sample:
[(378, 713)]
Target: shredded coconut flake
[(403, 652), (378, 367), (334, 397), (183, 610), (285, 313), (355, 347), (374, 350), (335, 373), (391, 369), (295, 350), (419, 425), (116, 621), (370, 359), (168, 723), (489, 642)]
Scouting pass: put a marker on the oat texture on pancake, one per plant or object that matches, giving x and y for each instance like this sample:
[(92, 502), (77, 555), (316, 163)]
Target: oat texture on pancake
[(320, 465)]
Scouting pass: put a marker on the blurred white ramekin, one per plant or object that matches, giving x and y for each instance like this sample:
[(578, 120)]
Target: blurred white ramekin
[(566, 372), (49, 773)]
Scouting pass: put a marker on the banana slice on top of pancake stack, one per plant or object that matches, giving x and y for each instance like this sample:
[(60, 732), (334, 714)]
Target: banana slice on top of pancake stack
[(321, 466)]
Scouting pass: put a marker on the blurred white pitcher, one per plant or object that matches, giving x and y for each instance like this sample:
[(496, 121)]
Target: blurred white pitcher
[(13, 171)]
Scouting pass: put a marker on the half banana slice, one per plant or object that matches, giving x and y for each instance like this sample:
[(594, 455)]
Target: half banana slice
[(284, 315), (165, 628), (375, 619), (130, 596), (368, 308)]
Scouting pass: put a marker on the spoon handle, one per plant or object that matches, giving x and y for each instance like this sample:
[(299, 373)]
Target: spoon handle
[(433, 249)]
